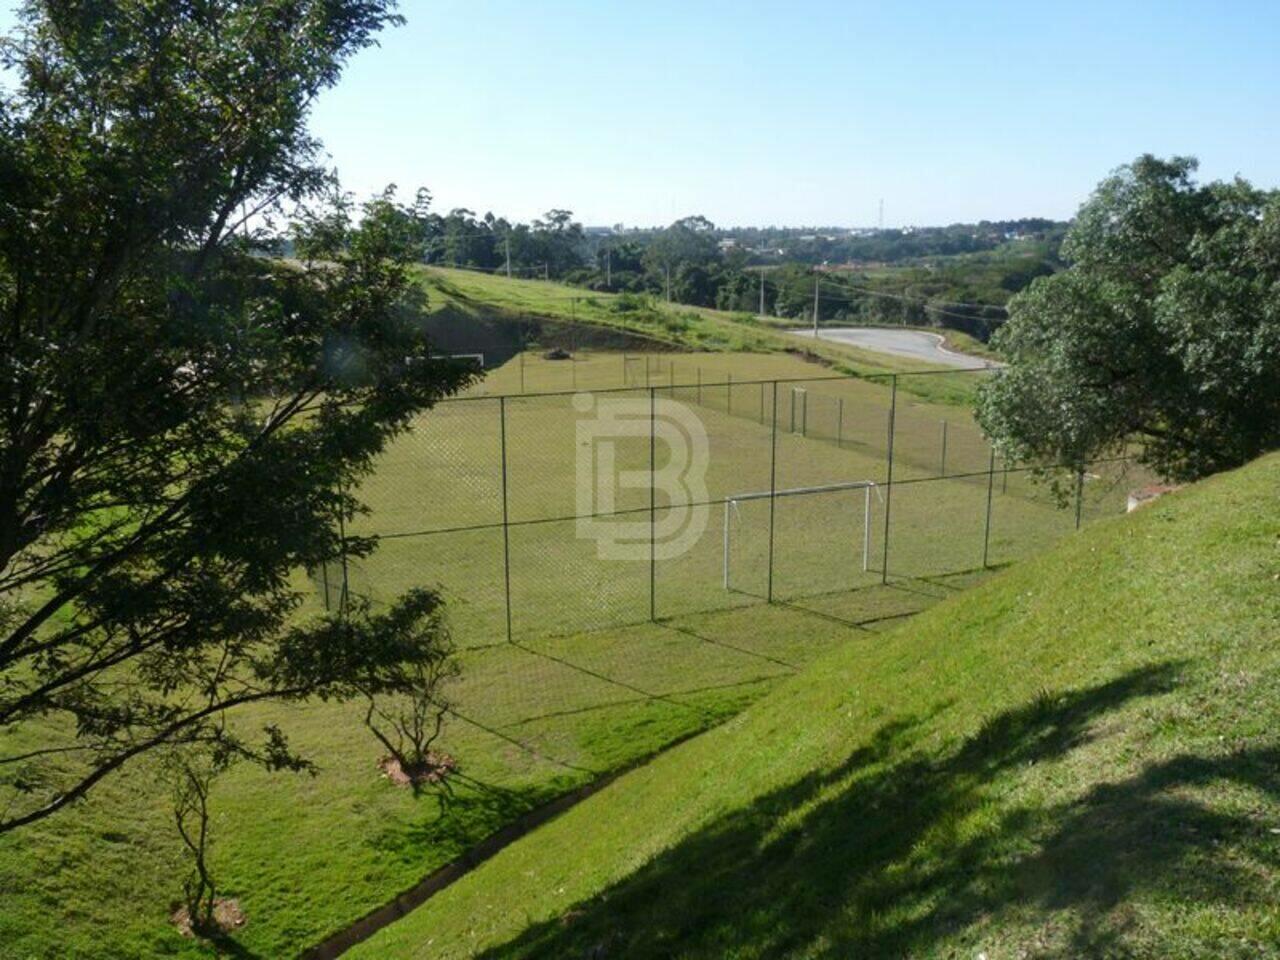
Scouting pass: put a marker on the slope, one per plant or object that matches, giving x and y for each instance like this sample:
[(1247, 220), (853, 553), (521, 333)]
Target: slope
[(1081, 757)]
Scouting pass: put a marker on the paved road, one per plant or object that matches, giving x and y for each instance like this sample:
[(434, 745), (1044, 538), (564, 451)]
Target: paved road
[(915, 344)]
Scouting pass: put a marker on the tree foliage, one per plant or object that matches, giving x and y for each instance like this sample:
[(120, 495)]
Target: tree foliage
[(1164, 329), (181, 419)]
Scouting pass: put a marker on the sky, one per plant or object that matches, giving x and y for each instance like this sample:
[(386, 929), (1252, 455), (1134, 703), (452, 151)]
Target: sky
[(802, 113)]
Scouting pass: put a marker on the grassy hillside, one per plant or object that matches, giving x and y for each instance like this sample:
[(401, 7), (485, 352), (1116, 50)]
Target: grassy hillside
[(1079, 758), (681, 327)]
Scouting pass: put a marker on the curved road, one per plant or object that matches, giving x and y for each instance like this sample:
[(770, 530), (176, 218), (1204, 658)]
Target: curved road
[(916, 344)]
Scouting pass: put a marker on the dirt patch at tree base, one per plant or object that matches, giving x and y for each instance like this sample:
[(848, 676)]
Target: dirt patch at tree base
[(434, 770), (227, 917)]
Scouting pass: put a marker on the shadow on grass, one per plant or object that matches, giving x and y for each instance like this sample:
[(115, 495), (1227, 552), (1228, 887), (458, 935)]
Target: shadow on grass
[(903, 845), (451, 823)]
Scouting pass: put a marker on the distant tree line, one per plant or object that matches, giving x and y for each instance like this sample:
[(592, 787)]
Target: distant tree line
[(959, 275)]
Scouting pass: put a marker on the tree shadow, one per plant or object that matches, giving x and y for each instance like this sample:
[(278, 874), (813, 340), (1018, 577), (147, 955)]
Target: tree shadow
[(453, 821), (904, 844)]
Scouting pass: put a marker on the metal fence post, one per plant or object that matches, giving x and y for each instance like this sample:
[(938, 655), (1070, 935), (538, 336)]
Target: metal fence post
[(699, 386), (653, 506), (762, 402), (839, 421), (773, 475), (345, 596), (506, 519), (1079, 495), (991, 484), (942, 471), (888, 489), (728, 395)]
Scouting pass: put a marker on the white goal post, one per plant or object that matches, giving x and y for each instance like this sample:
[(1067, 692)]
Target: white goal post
[(866, 486), (477, 358)]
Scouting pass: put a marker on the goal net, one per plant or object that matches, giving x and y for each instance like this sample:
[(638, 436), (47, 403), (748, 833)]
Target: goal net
[(834, 523)]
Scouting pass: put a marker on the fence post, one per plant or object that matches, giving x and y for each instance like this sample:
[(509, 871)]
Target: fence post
[(762, 402), (888, 489), (942, 472), (344, 597), (1004, 481), (506, 519), (1079, 494), (991, 483), (324, 579), (773, 475), (728, 395), (839, 421), (653, 509), (699, 386), (522, 390)]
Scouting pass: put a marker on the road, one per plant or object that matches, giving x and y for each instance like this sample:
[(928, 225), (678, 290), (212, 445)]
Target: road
[(916, 344)]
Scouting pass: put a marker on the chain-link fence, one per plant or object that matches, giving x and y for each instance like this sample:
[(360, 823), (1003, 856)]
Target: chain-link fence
[(555, 514)]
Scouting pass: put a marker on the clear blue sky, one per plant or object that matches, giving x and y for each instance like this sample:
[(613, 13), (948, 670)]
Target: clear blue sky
[(806, 112)]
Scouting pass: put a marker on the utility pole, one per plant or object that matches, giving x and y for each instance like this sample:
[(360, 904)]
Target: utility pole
[(881, 214), (762, 293), (608, 267), (815, 308), (508, 244), (668, 283), (546, 271)]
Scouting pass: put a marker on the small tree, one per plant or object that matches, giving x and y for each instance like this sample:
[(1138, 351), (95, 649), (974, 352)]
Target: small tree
[(192, 782), (409, 723), (1164, 329)]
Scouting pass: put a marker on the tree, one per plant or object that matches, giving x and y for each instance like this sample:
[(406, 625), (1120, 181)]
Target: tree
[(182, 421), (193, 775), (408, 725), (1165, 330), (559, 240), (689, 241)]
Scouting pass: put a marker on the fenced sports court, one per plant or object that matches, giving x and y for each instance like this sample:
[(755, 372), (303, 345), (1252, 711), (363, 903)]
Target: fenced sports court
[(815, 489)]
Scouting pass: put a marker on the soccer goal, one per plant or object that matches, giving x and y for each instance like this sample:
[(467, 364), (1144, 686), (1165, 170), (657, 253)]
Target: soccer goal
[(476, 358), (866, 486)]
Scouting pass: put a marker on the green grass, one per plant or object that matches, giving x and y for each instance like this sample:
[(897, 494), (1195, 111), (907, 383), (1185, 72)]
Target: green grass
[(306, 856), (447, 473), (582, 693), (1077, 758), (464, 293)]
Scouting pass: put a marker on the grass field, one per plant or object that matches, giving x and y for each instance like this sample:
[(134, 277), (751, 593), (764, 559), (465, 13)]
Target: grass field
[(589, 686), (447, 473), (1077, 758)]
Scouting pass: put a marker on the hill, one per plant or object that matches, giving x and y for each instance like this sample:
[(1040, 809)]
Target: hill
[(460, 295), (1079, 757)]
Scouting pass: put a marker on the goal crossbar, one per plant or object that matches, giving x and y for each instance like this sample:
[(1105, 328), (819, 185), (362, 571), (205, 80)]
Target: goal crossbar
[(867, 486)]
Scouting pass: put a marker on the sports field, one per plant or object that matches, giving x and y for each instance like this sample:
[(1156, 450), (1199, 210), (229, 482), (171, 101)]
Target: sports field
[(590, 683), (771, 422)]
